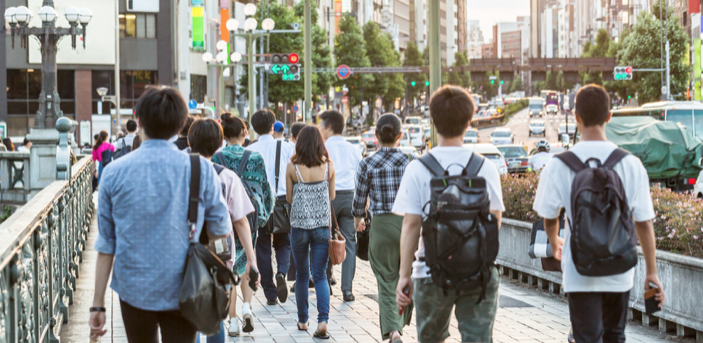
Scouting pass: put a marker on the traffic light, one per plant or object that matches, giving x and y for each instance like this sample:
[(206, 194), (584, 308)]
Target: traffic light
[(493, 81), (629, 97), (293, 73), (413, 83), (622, 73), (502, 82), (286, 65), (427, 83), (289, 58)]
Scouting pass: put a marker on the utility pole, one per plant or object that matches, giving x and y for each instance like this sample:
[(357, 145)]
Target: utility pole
[(118, 115), (435, 54), (307, 114), (250, 71), (668, 78)]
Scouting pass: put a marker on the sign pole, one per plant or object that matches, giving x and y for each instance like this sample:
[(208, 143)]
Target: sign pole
[(308, 62)]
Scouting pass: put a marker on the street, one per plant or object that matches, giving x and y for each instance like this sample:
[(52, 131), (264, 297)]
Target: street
[(520, 124)]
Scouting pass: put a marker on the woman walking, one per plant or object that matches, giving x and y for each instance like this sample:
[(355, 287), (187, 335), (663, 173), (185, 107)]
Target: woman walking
[(254, 175), (102, 153), (378, 179), (310, 190)]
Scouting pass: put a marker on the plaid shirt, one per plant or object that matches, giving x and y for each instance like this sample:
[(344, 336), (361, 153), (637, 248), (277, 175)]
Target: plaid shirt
[(381, 173)]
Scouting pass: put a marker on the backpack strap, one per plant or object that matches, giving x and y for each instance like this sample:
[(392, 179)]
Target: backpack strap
[(571, 160), (218, 168), (278, 163), (474, 165), (194, 193), (615, 157), (243, 163), (431, 164), (221, 158)]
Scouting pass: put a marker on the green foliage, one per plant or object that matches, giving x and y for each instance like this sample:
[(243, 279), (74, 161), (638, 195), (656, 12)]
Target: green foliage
[(517, 85), (349, 49), (641, 49), (396, 81), (462, 79), (598, 49), (321, 53), (7, 211), (378, 49), (414, 59)]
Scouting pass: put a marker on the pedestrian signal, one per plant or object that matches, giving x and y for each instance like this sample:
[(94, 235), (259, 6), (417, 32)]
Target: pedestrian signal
[(622, 73)]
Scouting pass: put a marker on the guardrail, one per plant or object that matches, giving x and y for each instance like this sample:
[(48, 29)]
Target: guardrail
[(15, 183), (41, 245)]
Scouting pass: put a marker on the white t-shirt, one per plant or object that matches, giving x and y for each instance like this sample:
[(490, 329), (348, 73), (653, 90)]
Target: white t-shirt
[(414, 191), (539, 160), (554, 192)]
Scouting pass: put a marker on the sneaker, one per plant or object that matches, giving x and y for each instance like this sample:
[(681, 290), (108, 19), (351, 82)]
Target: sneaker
[(247, 318), (271, 302), (234, 327), (570, 338), (282, 287)]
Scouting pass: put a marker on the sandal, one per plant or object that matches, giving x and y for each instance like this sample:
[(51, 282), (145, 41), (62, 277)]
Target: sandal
[(321, 334), (301, 329)]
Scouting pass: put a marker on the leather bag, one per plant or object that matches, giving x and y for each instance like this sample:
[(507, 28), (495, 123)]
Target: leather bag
[(337, 249), (280, 216)]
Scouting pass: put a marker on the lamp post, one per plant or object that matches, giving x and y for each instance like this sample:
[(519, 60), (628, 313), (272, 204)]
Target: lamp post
[(48, 36), (223, 69)]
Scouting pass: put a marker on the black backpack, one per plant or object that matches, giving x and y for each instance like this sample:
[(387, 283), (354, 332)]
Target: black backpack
[(459, 233), (124, 150), (253, 217), (107, 157), (603, 240)]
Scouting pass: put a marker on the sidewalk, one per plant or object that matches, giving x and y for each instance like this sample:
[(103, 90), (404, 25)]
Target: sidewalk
[(525, 315)]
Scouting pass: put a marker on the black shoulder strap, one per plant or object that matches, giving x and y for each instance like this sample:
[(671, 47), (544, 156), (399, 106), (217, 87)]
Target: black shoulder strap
[(221, 158), (615, 157), (474, 165), (431, 164), (218, 168), (278, 163), (243, 163), (571, 160), (194, 189)]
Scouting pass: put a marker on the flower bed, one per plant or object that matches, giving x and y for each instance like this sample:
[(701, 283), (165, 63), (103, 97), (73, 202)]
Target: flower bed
[(678, 225)]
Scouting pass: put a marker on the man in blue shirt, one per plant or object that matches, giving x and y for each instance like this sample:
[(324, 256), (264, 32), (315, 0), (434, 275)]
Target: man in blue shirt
[(142, 218)]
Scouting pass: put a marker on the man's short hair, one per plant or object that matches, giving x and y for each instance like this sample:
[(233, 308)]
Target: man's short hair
[(131, 125), (26, 141), (592, 105), (296, 128), (451, 109), (186, 126), (162, 112), (205, 136), (334, 120), (262, 121)]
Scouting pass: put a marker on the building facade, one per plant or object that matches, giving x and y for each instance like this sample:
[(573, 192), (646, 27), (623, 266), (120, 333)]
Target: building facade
[(474, 39)]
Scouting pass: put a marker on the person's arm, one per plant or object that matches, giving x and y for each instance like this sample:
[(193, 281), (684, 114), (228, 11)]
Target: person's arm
[(269, 198), (551, 228), (645, 233), (332, 177), (219, 224), (290, 173), (360, 197), (409, 239), (105, 246), (103, 268), (244, 233), (548, 204)]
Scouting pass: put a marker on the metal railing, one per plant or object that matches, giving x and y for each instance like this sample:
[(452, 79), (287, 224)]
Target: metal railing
[(41, 245), (14, 177)]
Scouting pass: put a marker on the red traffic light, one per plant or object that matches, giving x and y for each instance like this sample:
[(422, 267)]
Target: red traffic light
[(293, 58), (628, 70)]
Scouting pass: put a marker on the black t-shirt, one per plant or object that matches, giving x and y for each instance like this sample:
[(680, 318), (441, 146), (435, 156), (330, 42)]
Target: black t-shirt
[(181, 143)]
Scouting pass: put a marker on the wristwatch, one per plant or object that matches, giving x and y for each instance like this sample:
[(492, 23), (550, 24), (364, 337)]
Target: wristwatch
[(97, 309)]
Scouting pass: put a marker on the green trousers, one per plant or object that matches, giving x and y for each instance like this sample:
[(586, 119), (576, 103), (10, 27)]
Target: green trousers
[(384, 256)]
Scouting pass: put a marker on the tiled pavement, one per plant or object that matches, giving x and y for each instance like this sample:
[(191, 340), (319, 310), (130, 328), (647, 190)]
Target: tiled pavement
[(528, 316)]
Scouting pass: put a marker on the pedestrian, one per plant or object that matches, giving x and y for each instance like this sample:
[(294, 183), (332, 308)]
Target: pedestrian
[(124, 145), (149, 243), (279, 130), (26, 145), (102, 153), (599, 301), (8, 144), (277, 154), (310, 188), (475, 304), (377, 180), (182, 140), (247, 141), (295, 130), (204, 138), (254, 175), (346, 158), (542, 157)]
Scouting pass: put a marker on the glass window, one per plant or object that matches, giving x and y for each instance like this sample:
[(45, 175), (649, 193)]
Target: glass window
[(128, 25), (501, 134), (17, 126), (141, 80), (151, 26), (681, 117), (66, 84), (513, 152), (17, 107), (471, 133), (698, 123), (102, 78), (33, 83), (16, 84), (198, 87), (141, 26), (126, 85)]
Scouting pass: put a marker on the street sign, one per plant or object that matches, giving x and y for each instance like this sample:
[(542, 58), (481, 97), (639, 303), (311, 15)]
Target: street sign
[(492, 77), (192, 104), (343, 71), (295, 108)]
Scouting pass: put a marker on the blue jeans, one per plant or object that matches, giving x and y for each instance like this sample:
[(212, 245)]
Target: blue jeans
[(218, 338), (307, 246)]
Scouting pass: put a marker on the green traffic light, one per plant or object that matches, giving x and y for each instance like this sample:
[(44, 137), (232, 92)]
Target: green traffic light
[(413, 83), (502, 82), (493, 81), (629, 97), (427, 83)]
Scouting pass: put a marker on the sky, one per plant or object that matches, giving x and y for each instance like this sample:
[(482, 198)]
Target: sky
[(489, 12)]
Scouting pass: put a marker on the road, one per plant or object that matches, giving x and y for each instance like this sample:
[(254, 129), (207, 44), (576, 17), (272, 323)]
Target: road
[(520, 124)]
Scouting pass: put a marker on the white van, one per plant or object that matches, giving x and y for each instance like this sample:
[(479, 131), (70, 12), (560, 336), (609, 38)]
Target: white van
[(413, 120)]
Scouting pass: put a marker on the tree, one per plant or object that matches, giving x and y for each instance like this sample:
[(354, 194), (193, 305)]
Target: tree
[(321, 53), (349, 49), (396, 81), (640, 50), (378, 49), (461, 79), (517, 85), (622, 88), (598, 49), (414, 59)]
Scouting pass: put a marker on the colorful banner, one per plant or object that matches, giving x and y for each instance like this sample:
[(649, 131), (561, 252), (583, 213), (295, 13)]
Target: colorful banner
[(697, 68), (198, 28), (196, 2), (224, 16)]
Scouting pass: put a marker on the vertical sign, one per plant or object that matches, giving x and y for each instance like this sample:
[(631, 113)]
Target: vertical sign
[(198, 35), (224, 33)]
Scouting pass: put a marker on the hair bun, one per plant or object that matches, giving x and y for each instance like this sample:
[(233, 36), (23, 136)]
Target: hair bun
[(388, 128), (226, 116)]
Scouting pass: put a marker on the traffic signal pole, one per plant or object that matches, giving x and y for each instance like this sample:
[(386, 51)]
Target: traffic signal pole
[(435, 55), (307, 113)]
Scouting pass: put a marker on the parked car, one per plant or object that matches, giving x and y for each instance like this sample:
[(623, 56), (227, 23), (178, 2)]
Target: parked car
[(359, 143), (413, 120), (698, 192), (552, 109), (563, 127), (491, 153), (502, 136), (370, 139), (405, 140), (471, 136), (537, 128), (417, 136), (516, 157)]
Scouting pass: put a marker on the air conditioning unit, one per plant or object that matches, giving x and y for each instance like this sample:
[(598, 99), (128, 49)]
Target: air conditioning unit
[(148, 6)]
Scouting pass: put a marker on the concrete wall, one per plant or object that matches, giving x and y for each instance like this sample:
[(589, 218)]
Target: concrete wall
[(145, 58)]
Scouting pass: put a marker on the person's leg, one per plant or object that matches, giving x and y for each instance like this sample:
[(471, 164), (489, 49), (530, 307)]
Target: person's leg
[(586, 312), (247, 316), (281, 244), (300, 244), (217, 338), (176, 329), (432, 311), (476, 320), (615, 316), (263, 260), (141, 326), (384, 257), (319, 255), (342, 207)]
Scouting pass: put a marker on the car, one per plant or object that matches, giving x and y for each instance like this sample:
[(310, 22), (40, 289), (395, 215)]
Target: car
[(698, 192), (417, 136), (552, 109), (516, 157), (410, 151), (471, 136), (502, 136), (405, 139), (537, 128), (425, 123), (491, 153), (357, 142), (571, 129), (413, 120), (370, 139)]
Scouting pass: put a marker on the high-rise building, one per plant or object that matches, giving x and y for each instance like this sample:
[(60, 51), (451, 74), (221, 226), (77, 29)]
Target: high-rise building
[(396, 19), (474, 39)]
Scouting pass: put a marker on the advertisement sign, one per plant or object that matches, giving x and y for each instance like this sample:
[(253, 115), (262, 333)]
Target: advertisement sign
[(697, 68), (224, 33), (85, 133), (196, 2), (198, 28)]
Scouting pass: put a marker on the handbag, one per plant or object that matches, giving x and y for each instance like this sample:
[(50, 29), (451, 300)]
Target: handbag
[(280, 217), (337, 249), (541, 248), (203, 298), (362, 239)]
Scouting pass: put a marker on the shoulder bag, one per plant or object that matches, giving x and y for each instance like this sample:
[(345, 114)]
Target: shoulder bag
[(280, 218), (337, 249), (203, 298)]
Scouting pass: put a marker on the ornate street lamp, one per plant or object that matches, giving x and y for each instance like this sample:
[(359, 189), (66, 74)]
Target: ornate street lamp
[(48, 36)]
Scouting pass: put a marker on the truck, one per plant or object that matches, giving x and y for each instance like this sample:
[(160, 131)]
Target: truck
[(535, 107)]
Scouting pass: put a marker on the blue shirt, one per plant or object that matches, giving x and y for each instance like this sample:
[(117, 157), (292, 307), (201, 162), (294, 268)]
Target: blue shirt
[(142, 218)]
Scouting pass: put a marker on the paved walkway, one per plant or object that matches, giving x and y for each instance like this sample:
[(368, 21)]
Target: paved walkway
[(525, 315)]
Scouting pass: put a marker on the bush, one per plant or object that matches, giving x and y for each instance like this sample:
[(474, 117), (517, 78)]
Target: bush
[(678, 225)]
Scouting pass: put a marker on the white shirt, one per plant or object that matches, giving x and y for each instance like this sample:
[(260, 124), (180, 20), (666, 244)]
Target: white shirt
[(128, 141), (554, 193), (266, 145), (414, 191), (20, 149), (539, 160), (346, 158)]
